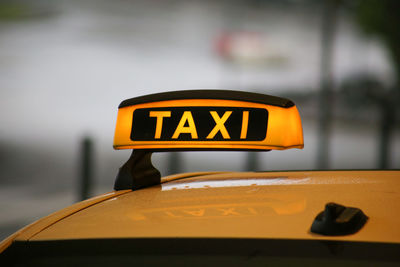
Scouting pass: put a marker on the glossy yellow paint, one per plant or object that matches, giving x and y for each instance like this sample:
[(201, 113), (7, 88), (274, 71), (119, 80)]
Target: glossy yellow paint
[(39, 225), (284, 128), (239, 205)]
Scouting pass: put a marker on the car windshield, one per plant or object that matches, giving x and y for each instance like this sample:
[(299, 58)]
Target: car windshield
[(201, 252)]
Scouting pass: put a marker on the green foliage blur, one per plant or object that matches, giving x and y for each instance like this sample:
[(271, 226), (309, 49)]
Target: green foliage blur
[(382, 18), (12, 11)]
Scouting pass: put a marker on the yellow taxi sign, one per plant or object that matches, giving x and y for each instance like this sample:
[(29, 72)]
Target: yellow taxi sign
[(208, 120)]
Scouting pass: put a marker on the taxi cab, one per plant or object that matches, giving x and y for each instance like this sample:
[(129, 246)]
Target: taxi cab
[(309, 218)]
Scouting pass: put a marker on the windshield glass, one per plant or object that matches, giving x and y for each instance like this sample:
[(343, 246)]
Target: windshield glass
[(201, 252)]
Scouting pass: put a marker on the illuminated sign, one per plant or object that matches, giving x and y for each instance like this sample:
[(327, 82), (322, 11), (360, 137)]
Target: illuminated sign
[(208, 120), (199, 124)]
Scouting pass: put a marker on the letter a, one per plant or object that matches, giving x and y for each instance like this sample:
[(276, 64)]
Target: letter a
[(191, 128)]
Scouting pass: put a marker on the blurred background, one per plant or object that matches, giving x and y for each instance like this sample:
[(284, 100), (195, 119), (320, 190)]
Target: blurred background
[(66, 65)]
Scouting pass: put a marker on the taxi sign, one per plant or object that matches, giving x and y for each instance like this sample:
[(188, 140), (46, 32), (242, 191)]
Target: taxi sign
[(208, 120)]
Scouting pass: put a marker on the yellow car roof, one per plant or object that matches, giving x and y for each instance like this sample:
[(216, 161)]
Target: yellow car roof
[(264, 205)]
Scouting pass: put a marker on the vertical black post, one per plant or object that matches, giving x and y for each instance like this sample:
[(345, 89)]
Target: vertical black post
[(86, 168), (387, 121), (174, 163), (329, 21), (252, 161)]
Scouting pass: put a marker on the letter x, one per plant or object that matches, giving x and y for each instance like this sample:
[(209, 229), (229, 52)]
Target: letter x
[(219, 125)]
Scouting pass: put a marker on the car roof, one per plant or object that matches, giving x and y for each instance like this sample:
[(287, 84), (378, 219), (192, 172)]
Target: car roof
[(260, 205)]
